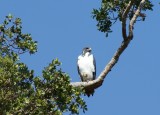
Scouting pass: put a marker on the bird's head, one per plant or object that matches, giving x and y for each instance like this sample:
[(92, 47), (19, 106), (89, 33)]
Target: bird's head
[(86, 50)]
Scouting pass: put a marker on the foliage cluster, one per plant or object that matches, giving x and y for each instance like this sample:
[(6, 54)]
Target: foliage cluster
[(112, 11), (21, 92)]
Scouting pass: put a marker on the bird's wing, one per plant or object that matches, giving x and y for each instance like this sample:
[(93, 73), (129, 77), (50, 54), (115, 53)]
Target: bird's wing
[(94, 73), (79, 70)]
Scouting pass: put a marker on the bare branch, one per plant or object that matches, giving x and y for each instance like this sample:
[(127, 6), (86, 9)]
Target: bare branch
[(99, 81), (133, 20), (124, 17)]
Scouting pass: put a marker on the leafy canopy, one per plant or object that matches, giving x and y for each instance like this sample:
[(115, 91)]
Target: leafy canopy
[(22, 92)]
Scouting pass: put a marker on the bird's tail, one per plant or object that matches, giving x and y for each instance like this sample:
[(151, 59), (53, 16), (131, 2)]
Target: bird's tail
[(89, 91)]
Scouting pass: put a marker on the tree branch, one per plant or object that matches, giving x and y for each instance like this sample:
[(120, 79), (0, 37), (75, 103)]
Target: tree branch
[(124, 18), (135, 16), (99, 81)]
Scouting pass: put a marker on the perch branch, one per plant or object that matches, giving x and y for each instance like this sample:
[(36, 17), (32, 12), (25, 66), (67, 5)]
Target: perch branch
[(99, 81)]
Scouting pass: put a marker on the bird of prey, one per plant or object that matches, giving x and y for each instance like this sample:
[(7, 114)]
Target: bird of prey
[(87, 68)]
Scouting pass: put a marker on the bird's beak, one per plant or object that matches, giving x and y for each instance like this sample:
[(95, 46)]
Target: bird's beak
[(89, 49)]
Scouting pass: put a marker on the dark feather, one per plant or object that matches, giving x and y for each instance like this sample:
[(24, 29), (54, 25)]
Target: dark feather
[(94, 73), (89, 91)]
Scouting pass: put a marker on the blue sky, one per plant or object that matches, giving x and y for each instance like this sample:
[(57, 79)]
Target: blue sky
[(63, 28)]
